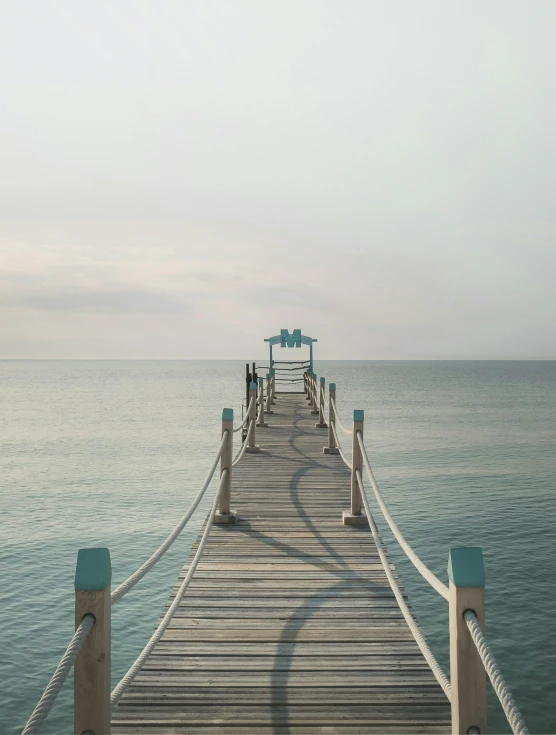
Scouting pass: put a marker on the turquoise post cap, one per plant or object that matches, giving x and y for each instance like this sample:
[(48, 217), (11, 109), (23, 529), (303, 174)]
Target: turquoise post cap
[(359, 414), (315, 376), (322, 380), (93, 571), (332, 386), (261, 380), (227, 414), (272, 371), (268, 375), (466, 567), (252, 386)]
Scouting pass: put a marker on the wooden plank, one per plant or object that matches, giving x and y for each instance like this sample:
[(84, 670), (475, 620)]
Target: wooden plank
[(289, 625)]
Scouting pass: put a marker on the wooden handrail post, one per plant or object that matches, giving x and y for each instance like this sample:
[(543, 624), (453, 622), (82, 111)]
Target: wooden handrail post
[(314, 396), (224, 514), (354, 516), (91, 690), (309, 387), (321, 422), (269, 393), (261, 422), (252, 446), (331, 448), (305, 382), (273, 374), (466, 572)]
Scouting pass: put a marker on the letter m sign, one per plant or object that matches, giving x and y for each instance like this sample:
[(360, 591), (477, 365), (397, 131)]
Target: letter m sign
[(290, 340)]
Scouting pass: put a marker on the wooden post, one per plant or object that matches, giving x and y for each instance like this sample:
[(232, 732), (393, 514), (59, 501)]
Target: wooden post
[(261, 421), (252, 446), (309, 387), (314, 403), (269, 393), (273, 373), (321, 422), (224, 514), (467, 674), (247, 382), (331, 448), (354, 516), (91, 691), (305, 382)]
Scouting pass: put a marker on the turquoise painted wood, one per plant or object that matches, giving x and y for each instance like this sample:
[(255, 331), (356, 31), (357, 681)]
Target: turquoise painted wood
[(359, 415), (290, 340), (93, 571), (295, 339), (466, 567), (227, 414)]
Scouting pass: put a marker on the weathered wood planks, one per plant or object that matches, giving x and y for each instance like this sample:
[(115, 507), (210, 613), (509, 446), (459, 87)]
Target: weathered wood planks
[(289, 625)]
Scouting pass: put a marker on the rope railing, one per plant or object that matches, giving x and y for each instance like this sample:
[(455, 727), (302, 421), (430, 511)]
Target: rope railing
[(339, 420), (466, 573), (40, 713), (499, 685), (126, 681), (422, 568), (241, 452), (131, 581), (339, 446), (418, 634), (245, 420)]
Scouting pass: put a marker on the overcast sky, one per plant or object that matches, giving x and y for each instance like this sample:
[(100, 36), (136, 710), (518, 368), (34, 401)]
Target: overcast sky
[(183, 179)]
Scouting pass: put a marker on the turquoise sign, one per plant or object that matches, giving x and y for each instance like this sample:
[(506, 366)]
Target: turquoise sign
[(290, 340)]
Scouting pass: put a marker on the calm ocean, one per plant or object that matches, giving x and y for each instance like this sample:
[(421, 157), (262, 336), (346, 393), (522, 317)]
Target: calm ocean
[(110, 453)]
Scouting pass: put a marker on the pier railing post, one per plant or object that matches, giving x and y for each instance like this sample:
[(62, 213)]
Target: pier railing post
[(315, 392), (354, 516), (309, 387), (252, 445), (224, 514), (269, 393), (331, 448), (91, 691), (467, 674), (273, 388), (260, 421), (321, 423)]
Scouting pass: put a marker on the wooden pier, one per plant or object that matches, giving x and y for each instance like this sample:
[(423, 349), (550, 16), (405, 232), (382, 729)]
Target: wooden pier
[(289, 616), (289, 624)]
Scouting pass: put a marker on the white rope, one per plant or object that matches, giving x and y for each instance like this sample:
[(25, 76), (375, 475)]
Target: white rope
[(414, 626), (246, 419), (40, 713), (241, 452), (339, 420), (124, 684), (131, 581), (342, 455), (502, 690), (422, 568)]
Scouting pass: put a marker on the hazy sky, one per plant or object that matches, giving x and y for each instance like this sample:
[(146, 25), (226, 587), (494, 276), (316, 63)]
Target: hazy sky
[(182, 179)]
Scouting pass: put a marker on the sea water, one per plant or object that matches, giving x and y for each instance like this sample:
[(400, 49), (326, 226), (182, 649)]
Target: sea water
[(110, 453)]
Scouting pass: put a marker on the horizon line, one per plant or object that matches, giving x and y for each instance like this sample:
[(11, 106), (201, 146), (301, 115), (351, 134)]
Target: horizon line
[(239, 359)]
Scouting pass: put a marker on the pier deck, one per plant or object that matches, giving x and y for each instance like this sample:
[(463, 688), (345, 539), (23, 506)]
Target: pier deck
[(289, 625)]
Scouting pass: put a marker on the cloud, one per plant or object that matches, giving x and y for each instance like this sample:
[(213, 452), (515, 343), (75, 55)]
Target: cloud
[(115, 301)]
